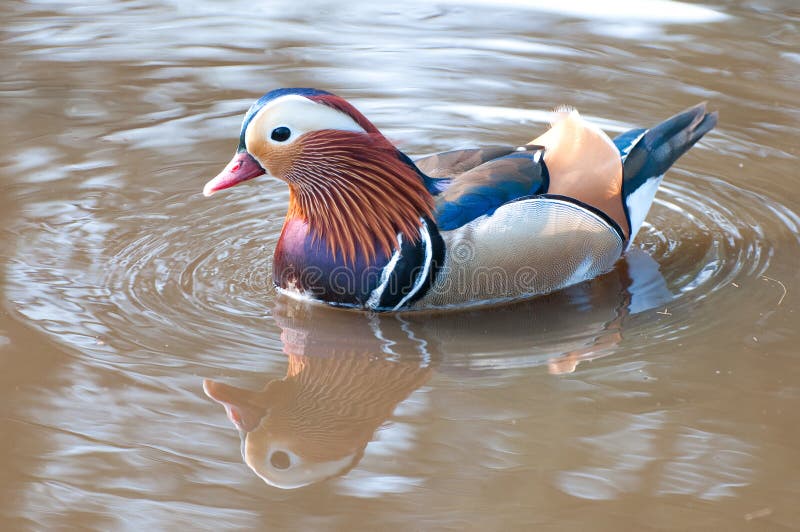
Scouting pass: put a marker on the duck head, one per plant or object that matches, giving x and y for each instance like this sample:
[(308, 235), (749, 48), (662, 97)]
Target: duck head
[(354, 188)]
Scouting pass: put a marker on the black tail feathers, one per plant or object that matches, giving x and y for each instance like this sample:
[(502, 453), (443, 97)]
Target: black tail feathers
[(663, 144)]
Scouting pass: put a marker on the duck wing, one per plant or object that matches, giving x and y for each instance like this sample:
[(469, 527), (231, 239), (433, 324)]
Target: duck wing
[(455, 162), (480, 189)]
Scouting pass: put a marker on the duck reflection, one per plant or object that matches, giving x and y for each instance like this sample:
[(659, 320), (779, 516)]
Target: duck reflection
[(344, 379), (348, 371)]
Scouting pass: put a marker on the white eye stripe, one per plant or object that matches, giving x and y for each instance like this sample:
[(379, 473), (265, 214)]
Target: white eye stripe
[(300, 115), (288, 98)]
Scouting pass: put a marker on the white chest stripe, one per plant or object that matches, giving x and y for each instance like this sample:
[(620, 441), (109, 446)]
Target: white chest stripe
[(375, 295), (423, 275)]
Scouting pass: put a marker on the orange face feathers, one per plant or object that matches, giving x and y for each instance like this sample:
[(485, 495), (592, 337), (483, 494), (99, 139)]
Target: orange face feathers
[(346, 180), (354, 190)]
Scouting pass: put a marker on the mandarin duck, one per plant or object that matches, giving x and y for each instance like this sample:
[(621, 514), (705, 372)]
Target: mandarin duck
[(369, 228)]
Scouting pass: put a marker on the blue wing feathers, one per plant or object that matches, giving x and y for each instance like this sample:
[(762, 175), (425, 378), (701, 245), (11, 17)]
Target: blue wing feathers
[(479, 201), (483, 189)]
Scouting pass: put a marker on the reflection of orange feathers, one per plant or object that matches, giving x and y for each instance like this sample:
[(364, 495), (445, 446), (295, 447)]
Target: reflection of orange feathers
[(330, 406), (583, 164)]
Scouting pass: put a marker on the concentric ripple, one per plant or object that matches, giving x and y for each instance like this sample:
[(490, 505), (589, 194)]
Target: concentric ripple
[(709, 238), (218, 268), (173, 271), (204, 273)]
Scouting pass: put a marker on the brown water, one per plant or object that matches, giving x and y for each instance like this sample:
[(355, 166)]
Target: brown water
[(124, 289)]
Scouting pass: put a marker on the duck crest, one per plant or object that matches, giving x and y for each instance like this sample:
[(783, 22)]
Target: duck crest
[(342, 105)]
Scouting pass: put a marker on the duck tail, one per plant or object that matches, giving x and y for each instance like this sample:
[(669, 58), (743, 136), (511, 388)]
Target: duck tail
[(647, 154)]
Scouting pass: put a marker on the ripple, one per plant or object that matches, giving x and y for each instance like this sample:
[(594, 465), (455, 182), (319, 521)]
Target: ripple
[(210, 278), (185, 268), (114, 111), (122, 268), (709, 237)]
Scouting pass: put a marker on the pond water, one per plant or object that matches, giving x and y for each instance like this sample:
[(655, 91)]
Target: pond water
[(151, 376)]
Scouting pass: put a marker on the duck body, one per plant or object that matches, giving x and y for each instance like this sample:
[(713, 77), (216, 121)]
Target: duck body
[(369, 228)]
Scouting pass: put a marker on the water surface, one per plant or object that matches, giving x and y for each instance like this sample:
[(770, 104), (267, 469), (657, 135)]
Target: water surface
[(152, 376)]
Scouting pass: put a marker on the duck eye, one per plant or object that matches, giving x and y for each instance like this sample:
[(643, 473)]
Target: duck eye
[(281, 133), (280, 460)]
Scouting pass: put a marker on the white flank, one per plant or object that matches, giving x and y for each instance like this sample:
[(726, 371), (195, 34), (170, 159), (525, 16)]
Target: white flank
[(581, 272)]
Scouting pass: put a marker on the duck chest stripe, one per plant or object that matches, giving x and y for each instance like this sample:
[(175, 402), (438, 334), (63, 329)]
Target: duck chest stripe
[(422, 275), (407, 278), (377, 293)]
